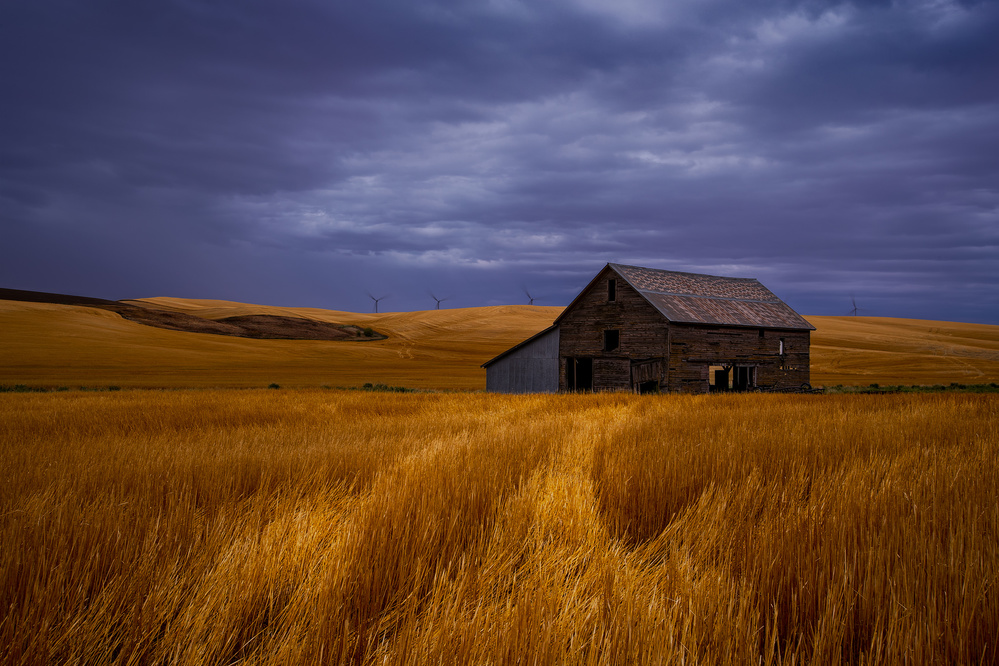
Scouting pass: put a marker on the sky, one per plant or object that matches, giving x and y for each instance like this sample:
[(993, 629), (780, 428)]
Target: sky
[(323, 152)]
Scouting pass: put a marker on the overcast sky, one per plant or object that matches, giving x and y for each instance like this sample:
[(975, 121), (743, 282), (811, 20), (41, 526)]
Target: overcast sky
[(312, 152)]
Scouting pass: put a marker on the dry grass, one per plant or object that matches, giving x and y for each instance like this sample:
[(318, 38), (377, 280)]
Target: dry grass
[(59, 345), (272, 527)]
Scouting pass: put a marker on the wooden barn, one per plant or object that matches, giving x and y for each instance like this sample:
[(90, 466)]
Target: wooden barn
[(648, 330)]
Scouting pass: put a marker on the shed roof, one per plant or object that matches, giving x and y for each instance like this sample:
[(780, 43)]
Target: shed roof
[(693, 298)]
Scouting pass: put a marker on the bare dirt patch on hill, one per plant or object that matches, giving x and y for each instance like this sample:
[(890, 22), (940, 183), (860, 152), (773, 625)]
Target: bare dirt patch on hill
[(258, 326)]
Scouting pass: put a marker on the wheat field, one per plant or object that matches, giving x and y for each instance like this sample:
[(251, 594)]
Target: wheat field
[(323, 526), (60, 345)]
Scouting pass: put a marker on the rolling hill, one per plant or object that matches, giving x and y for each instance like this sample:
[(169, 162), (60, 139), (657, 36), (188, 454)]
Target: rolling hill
[(54, 344)]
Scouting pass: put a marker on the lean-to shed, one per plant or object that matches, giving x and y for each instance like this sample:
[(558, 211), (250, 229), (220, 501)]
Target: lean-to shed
[(529, 367)]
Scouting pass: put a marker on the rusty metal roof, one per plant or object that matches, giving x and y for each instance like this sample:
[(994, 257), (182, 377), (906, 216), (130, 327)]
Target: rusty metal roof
[(692, 298)]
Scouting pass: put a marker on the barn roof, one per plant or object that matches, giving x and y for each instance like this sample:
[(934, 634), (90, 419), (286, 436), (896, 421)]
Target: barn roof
[(692, 298)]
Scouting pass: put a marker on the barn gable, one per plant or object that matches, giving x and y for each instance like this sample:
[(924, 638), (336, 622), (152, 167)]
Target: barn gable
[(608, 328)]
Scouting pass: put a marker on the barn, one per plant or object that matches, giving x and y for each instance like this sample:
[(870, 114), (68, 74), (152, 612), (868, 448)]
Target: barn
[(650, 330)]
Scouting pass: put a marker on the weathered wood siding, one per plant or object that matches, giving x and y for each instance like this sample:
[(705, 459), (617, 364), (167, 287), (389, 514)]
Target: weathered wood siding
[(532, 368), (684, 351), (643, 333), (694, 348)]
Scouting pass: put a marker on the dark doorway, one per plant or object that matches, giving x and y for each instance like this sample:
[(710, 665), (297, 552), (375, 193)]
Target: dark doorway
[(579, 374), (744, 378), (719, 378), (651, 386), (731, 378)]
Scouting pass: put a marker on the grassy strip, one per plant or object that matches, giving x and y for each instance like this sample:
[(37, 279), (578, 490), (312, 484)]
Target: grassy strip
[(954, 387)]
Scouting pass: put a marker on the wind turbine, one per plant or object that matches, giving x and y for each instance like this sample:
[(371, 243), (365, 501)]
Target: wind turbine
[(381, 298), (439, 300), (855, 309), (530, 298)]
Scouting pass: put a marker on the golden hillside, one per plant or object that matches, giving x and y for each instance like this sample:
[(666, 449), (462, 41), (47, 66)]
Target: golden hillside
[(62, 345), (865, 350)]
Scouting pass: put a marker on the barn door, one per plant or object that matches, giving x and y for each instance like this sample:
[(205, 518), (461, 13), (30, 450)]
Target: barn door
[(744, 379), (579, 374), (645, 375)]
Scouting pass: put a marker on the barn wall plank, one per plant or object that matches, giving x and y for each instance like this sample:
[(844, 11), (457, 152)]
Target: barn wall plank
[(532, 368)]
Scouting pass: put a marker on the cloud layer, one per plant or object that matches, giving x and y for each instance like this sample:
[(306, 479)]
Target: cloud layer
[(308, 153)]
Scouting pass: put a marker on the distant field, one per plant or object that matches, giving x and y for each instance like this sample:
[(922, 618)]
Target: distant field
[(60, 345), (864, 350), (336, 527)]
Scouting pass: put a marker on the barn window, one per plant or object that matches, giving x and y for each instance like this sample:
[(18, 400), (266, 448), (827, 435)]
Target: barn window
[(781, 346), (761, 332), (611, 290), (612, 339)]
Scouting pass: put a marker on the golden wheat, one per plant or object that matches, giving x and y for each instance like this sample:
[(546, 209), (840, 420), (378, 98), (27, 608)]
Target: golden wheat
[(275, 527)]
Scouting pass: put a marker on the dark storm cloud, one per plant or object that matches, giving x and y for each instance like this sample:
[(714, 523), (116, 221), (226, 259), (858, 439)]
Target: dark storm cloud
[(306, 152)]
